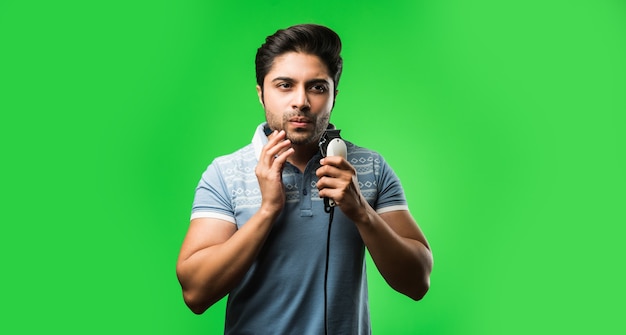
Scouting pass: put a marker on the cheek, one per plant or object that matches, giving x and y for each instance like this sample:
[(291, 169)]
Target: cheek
[(326, 103), (325, 107), (275, 103), (273, 115), (323, 120)]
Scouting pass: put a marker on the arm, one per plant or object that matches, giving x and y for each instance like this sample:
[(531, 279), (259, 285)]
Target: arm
[(215, 255), (399, 250), (395, 242)]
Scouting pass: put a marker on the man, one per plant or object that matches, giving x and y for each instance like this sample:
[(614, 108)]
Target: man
[(259, 231)]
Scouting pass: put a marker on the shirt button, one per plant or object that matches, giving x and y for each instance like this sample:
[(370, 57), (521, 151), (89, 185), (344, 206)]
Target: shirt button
[(304, 192)]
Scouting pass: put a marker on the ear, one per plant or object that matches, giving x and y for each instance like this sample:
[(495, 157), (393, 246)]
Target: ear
[(259, 92)]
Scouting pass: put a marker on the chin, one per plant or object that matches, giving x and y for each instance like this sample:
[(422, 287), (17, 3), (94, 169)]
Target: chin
[(298, 137), (300, 141), (302, 138)]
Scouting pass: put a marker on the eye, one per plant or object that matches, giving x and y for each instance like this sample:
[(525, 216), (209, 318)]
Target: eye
[(284, 85), (319, 88)]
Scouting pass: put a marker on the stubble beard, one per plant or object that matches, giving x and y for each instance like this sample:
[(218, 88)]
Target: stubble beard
[(301, 137)]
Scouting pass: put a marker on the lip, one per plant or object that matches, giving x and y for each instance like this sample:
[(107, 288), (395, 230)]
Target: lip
[(299, 122), (300, 119)]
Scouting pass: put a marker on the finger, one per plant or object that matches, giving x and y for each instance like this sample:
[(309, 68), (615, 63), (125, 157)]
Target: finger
[(329, 184), (323, 184), (331, 193), (280, 159), (270, 143), (274, 146), (336, 161), (277, 149), (328, 171), (274, 138)]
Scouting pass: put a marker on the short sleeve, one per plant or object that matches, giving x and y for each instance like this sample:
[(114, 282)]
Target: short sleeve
[(390, 192), (212, 198)]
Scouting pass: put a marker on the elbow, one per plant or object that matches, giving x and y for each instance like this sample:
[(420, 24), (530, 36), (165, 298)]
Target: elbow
[(191, 296), (415, 289), (422, 284), (196, 305), (419, 291), (198, 300)]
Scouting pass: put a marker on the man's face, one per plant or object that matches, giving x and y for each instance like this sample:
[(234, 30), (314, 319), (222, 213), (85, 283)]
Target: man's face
[(298, 95)]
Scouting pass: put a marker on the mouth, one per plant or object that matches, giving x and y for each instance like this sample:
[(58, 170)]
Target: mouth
[(299, 121)]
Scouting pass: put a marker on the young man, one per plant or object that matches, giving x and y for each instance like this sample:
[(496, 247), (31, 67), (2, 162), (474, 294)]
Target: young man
[(259, 231)]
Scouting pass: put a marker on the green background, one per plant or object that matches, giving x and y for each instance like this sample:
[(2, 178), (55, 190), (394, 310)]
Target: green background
[(504, 120)]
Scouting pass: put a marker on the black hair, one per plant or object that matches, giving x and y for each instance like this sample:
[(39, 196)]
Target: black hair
[(311, 39)]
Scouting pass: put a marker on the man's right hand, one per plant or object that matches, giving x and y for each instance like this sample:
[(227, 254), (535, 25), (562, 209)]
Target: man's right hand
[(269, 172)]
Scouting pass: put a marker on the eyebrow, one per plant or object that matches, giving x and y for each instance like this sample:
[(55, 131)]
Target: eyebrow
[(309, 82)]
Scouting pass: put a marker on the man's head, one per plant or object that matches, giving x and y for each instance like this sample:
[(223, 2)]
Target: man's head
[(304, 38), (297, 74)]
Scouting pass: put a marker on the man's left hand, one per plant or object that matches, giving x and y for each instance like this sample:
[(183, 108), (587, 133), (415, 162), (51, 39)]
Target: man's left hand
[(338, 181)]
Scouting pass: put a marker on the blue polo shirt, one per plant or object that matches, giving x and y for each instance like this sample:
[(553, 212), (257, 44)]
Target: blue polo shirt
[(283, 291)]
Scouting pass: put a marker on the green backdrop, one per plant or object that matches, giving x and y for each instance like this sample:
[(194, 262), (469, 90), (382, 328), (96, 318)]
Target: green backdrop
[(504, 120)]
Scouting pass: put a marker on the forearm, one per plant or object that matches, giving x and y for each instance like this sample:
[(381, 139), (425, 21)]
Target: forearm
[(404, 262), (208, 274)]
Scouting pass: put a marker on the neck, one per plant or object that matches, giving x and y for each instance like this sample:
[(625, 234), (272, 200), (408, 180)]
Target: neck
[(303, 154)]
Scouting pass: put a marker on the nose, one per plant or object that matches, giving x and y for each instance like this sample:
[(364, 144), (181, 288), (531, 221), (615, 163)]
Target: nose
[(300, 99)]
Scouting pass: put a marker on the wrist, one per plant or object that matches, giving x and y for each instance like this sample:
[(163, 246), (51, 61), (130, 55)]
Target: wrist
[(362, 214), (269, 212)]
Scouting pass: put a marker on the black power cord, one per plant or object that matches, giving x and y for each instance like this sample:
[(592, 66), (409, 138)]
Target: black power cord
[(331, 211)]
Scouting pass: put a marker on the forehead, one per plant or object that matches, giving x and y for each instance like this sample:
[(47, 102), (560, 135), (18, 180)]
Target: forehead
[(298, 66)]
